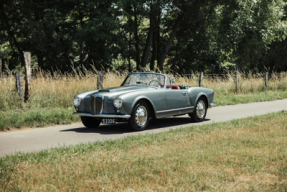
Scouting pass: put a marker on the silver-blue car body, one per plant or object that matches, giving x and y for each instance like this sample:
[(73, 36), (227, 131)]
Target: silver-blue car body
[(141, 97)]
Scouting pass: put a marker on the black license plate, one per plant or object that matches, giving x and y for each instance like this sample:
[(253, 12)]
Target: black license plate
[(108, 121)]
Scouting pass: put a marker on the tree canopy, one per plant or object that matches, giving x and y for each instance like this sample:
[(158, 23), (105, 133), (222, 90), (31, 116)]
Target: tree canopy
[(166, 35)]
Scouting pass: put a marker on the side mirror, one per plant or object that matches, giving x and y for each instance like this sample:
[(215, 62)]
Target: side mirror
[(173, 80)]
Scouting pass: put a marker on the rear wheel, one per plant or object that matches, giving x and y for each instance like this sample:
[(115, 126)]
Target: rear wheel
[(140, 116), (200, 110), (90, 122)]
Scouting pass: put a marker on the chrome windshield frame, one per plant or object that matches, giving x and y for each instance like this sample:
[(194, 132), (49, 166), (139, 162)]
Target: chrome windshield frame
[(165, 78)]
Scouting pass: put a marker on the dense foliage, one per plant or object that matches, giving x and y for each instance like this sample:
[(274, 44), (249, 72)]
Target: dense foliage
[(177, 35)]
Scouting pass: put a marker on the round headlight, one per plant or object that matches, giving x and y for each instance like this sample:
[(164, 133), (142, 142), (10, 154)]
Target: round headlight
[(118, 102), (77, 101)]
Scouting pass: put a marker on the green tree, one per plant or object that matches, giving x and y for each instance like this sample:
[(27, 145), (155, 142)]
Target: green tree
[(249, 27)]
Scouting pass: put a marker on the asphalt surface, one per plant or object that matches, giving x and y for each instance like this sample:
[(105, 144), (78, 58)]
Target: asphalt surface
[(64, 135)]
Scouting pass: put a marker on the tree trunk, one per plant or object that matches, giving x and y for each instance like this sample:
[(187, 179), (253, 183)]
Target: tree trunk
[(130, 68), (64, 48), (82, 56), (216, 68), (136, 38), (148, 42), (40, 60), (159, 44), (168, 44), (39, 55), (0, 67), (155, 41), (154, 50), (173, 66)]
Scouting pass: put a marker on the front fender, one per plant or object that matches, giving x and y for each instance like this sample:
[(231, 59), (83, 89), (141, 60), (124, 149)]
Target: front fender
[(142, 98), (130, 102)]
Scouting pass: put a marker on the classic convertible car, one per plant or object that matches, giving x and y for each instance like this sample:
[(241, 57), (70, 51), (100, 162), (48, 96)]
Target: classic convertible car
[(141, 97)]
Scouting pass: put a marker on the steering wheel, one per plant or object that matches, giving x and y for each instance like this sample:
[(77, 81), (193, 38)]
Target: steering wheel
[(156, 81)]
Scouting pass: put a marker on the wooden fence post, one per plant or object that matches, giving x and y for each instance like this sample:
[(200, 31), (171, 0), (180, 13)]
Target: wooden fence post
[(100, 80), (237, 82), (27, 56), (200, 79), (266, 80), (19, 85)]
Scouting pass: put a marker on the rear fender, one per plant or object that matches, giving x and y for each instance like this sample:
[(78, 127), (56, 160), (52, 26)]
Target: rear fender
[(195, 94), (201, 95)]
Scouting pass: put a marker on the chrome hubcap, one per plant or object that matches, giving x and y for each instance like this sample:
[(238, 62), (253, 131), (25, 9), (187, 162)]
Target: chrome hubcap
[(200, 109), (141, 116)]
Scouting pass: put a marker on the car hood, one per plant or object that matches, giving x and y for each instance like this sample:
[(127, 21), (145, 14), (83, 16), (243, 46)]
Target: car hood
[(116, 91)]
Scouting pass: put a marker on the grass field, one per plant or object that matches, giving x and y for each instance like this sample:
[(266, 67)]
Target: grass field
[(241, 155), (56, 93)]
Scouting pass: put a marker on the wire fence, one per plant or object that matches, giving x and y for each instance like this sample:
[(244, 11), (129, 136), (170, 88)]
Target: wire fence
[(200, 77), (190, 76), (233, 75), (234, 82)]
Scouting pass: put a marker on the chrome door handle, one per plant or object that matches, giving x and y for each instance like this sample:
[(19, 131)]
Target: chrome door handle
[(184, 93)]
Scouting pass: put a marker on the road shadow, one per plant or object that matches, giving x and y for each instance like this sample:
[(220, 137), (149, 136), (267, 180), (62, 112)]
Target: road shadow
[(121, 128)]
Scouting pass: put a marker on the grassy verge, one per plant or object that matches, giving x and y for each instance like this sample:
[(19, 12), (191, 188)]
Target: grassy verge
[(36, 118), (241, 155), (234, 99)]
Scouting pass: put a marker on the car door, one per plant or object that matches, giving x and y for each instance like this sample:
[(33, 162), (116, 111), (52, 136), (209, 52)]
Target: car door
[(176, 99)]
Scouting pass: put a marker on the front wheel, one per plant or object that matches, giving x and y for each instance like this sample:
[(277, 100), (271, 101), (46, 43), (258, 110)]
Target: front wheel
[(200, 111), (90, 122), (140, 116)]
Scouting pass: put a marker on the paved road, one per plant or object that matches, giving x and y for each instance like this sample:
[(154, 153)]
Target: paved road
[(44, 138)]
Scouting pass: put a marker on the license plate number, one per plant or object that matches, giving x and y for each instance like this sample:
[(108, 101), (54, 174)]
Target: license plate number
[(108, 121)]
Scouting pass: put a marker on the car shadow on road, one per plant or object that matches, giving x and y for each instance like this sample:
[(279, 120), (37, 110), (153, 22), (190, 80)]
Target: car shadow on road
[(122, 128)]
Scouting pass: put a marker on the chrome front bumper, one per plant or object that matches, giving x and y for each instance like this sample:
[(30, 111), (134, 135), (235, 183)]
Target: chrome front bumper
[(103, 116), (212, 105)]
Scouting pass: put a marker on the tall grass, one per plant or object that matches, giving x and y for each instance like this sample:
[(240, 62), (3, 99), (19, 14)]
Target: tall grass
[(248, 83), (57, 90)]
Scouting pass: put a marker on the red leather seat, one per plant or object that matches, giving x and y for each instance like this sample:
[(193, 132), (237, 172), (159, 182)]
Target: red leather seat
[(173, 86)]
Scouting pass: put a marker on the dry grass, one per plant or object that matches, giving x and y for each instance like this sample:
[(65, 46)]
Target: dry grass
[(225, 85), (51, 92), (59, 90), (242, 155)]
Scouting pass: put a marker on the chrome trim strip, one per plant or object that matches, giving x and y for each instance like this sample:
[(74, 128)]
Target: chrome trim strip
[(103, 115), (175, 109), (212, 104)]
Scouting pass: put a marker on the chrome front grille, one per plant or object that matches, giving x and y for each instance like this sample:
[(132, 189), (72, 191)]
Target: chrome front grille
[(97, 102)]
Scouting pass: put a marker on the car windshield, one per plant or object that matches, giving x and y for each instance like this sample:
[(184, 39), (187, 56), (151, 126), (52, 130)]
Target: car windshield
[(148, 79)]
